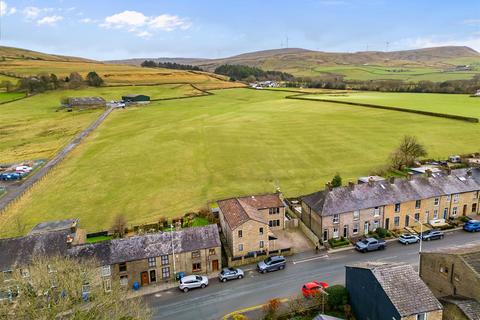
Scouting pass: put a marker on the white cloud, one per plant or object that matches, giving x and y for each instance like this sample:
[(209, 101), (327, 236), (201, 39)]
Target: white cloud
[(31, 12), (49, 20), (125, 19), (168, 22), (132, 21), (472, 22), (86, 20), (473, 42), (4, 9)]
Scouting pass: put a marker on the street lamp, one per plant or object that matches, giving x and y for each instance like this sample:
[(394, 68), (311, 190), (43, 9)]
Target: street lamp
[(173, 253), (420, 247)]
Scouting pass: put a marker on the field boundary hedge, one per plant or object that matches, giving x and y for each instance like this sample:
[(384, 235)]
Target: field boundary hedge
[(376, 106)]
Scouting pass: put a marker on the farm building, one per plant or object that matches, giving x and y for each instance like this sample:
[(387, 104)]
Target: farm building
[(136, 98), (86, 102)]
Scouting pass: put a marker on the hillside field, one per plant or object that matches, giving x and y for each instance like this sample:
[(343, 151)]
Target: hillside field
[(32, 129), (174, 156), (458, 104)]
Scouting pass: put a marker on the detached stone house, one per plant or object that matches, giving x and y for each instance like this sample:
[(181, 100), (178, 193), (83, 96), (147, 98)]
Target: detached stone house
[(453, 275), (249, 223), (356, 209), (145, 259), (379, 291)]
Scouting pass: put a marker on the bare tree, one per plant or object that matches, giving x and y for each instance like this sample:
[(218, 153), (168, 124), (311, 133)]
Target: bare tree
[(65, 288), (119, 225), (407, 152)]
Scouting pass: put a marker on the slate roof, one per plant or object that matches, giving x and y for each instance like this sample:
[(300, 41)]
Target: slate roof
[(469, 307), (469, 253), (237, 211), (405, 289), (75, 101), (54, 226), (380, 193), (150, 245), (20, 251)]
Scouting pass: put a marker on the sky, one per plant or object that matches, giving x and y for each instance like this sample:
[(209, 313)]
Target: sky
[(121, 29)]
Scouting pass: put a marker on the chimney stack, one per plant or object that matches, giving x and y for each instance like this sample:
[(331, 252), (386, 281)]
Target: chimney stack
[(351, 185), (370, 181), (391, 180), (428, 172), (328, 186)]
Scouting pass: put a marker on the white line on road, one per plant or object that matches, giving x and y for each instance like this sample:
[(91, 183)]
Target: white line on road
[(310, 259)]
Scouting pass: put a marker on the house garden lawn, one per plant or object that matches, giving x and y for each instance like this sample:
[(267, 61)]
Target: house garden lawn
[(458, 104), (174, 156)]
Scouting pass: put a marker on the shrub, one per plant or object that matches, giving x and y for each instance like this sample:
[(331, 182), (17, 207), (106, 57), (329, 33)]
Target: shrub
[(337, 296), (270, 309), (463, 219), (382, 233), (338, 242)]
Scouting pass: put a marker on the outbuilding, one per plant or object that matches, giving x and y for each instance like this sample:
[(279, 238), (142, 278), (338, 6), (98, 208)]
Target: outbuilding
[(86, 102), (136, 98)]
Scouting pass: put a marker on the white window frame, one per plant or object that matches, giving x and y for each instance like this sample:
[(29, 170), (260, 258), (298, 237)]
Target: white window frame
[(435, 214), (376, 224), (396, 221), (261, 244), (240, 247), (422, 316), (107, 284), (336, 218), (376, 212), (454, 211), (106, 271), (399, 207), (152, 262), (356, 215), (356, 226), (456, 196), (165, 260), (335, 233), (436, 202), (419, 204)]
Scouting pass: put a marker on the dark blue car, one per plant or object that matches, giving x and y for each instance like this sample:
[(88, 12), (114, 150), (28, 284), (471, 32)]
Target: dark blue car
[(472, 226)]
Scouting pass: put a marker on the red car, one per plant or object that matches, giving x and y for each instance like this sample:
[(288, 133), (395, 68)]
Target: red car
[(311, 289)]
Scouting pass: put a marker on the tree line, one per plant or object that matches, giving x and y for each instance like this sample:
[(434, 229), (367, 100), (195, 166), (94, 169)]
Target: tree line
[(425, 86), (44, 81), (238, 72), (169, 65)]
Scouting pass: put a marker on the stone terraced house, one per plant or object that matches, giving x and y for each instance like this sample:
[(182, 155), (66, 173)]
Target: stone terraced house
[(356, 209)]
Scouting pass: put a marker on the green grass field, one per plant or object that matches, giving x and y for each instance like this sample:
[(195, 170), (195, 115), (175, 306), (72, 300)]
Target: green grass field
[(173, 156), (458, 104), (31, 128), (9, 96), (366, 72)]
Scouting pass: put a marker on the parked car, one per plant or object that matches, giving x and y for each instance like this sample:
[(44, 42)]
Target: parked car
[(432, 235), (472, 226), (192, 282), (272, 263), (230, 274), (408, 238), (370, 244), (311, 289)]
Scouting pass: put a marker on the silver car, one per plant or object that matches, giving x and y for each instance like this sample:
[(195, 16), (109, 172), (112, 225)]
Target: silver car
[(192, 282), (230, 274), (407, 238)]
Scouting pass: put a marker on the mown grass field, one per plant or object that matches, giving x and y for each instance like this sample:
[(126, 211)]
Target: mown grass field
[(173, 156), (458, 104), (9, 96), (32, 129)]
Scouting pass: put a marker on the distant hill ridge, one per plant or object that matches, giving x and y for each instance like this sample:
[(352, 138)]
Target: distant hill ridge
[(291, 58), (24, 54)]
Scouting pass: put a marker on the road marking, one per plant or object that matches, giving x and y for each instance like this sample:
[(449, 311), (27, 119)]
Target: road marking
[(240, 311), (310, 259)]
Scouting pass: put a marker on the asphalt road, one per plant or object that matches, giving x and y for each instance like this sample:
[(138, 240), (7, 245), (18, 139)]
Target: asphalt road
[(219, 299)]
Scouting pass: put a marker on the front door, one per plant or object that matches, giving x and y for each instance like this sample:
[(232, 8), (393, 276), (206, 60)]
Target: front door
[(464, 209), (214, 265), (345, 231), (365, 230), (407, 220), (144, 278), (387, 223), (153, 276)]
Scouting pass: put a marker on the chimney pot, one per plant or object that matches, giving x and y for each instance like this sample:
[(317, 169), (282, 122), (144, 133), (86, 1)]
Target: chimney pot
[(329, 186), (370, 181), (428, 172)]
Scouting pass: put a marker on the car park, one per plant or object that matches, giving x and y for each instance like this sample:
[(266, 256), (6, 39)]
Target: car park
[(192, 282), (472, 226), (230, 274), (311, 289), (432, 235), (408, 238), (272, 263)]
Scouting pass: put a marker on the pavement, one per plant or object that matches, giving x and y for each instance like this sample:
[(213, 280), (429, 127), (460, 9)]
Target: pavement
[(219, 299)]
